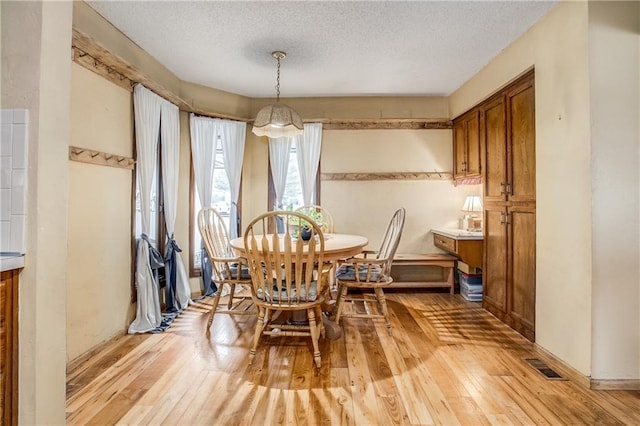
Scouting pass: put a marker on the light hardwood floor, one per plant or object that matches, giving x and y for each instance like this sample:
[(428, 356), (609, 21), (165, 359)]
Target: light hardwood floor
[(447, 362)]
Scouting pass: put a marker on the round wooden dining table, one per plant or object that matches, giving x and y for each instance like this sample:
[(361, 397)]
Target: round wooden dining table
[(336, 247)]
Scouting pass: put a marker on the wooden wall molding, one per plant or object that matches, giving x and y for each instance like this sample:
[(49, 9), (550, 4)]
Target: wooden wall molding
[(386, 124), (389, 176), (90, 54), (90, 62), (93, 56), (89, 156)]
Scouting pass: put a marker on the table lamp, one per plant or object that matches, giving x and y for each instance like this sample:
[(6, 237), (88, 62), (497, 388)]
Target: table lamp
[(470, 221)]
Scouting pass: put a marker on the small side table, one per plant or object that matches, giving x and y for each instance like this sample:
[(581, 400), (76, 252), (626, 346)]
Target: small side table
[(466, 245)]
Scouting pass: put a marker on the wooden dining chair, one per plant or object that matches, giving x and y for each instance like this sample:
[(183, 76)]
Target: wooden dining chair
[(324, 218), (227, 267), (370, 272), (287, 276), (320, 214)]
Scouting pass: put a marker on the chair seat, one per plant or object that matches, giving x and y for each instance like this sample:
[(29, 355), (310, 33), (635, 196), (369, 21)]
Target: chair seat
[(232, 272), (275, 296), (348, 273)]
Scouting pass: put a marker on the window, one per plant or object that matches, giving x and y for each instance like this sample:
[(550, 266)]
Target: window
[(292, 198), (157, 230), (156, 211), (221, 201)]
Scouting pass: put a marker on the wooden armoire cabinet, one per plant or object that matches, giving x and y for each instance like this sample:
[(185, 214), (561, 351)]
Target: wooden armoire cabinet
[(508, 154), (466, 145)]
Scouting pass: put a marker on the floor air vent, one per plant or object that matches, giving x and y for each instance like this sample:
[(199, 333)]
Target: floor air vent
[(548, 372)]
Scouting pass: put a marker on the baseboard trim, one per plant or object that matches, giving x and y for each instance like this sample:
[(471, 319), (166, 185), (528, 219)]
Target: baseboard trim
[(574, 375), (631, 384), (564, 369), (84, 357)]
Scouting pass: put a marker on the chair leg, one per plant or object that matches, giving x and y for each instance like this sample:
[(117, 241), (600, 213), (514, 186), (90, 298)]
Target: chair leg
[(320, 321), (214, 306), (383, 307), (313, 328), (256, 334), (342, 294), (232, 291), (332, 276)]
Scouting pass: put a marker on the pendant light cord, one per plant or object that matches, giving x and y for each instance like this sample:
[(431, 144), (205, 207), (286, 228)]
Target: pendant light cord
[(278, 82)]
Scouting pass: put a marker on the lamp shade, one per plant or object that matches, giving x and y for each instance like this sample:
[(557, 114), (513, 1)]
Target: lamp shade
[(277, 120), (472, 204)]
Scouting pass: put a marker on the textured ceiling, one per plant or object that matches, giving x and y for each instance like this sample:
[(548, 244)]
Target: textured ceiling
[(334, 48)]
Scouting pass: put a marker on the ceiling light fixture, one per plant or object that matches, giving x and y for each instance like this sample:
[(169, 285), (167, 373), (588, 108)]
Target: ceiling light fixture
[(277, 120)]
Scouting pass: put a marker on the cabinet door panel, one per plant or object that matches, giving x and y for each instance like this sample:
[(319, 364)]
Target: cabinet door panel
[(473, 145), (4, 313), (522, 143), (495, 151), (9, 347), (459, 141), (522, 261), (495, 265)]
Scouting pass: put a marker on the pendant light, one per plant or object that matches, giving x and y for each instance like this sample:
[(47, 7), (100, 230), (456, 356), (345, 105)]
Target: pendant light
[(277, 120)]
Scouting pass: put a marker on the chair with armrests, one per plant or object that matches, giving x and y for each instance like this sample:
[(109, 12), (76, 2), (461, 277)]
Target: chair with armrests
[(287, 275), (370, 273), (227, 267)]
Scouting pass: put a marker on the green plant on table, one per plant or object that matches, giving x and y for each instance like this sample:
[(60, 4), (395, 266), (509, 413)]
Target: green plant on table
[(311, 213)]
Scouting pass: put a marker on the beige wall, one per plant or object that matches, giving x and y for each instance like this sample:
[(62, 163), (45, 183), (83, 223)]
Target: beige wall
[(363, 107), (36, 72), (99, 233), (585, 58), (255, 173), (203, 98), (614, 34), (557, 46), (365, 207)]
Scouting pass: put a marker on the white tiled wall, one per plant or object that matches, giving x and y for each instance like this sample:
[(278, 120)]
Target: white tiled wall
[(13, 174)]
